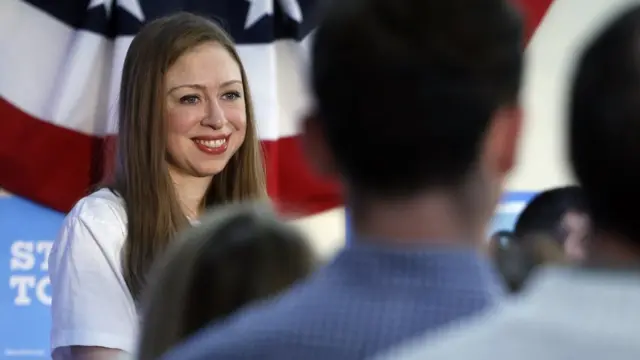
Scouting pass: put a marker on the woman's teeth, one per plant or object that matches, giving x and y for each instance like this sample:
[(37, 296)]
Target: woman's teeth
[(212, 143)]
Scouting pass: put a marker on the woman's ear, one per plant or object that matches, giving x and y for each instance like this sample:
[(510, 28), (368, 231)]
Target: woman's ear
[(315, 147)]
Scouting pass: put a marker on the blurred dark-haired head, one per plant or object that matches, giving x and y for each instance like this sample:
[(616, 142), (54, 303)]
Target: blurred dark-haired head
[(239, 254), (413, 96), (560, 213), (604, 128)]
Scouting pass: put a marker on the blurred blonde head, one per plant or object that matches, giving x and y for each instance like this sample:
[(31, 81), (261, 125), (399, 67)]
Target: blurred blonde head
[(237, 255)]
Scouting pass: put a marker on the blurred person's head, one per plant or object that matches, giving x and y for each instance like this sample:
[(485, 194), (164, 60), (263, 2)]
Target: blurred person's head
[(604, 128), (416, 109), (516, 258), (237, 255), (560, 213), (185, 120)]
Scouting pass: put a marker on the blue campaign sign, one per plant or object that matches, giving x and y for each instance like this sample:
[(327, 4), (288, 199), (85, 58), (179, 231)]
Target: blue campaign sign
[(27, 231), (507, 213), (509, 209)]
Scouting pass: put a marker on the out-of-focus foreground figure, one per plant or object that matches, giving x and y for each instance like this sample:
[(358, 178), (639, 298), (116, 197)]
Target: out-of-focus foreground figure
[(554, 227), (561, 214), (237, 255), (588, 312)]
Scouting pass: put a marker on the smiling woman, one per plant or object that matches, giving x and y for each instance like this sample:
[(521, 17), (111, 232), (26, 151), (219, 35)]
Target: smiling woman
[(187, 140), (205, 112)]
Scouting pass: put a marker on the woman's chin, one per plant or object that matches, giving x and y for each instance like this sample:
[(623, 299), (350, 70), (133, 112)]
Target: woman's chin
[(209, 170)]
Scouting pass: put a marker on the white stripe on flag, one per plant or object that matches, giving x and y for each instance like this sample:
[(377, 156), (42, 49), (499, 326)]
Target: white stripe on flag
[(34, 47), (551, 57), (71, 78)]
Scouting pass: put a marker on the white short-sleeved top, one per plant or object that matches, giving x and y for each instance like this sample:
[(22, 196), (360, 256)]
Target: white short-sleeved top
[(91, 304)]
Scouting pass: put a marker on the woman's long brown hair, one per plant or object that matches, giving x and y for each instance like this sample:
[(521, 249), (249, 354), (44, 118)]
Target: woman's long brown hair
[(141, 174)]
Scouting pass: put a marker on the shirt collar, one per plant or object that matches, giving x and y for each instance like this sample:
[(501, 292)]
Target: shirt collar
[(452, 267)]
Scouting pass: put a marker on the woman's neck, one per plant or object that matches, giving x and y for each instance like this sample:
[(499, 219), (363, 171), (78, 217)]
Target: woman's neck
[(190, 192)]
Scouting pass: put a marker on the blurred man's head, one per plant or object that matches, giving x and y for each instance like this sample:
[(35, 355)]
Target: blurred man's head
[(560, 213), (416, 96), (604, 132)]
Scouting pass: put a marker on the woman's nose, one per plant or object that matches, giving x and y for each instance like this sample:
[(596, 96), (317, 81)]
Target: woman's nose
[(215, 116)]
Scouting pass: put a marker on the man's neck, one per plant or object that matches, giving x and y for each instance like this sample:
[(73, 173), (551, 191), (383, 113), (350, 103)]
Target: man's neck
[(190, 191), (433, 219)]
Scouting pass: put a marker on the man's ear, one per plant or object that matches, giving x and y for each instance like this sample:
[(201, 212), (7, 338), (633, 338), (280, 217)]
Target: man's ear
[(503, 138), (315, 147)]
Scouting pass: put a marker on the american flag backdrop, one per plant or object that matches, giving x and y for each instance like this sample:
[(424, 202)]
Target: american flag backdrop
[(60, 65)]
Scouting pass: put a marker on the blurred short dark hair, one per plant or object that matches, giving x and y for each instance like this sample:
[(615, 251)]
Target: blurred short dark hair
[(604, 125), (545, 212), (406, 89)]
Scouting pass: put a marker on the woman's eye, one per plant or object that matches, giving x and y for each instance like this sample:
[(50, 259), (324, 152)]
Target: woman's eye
[(189, 99), (232, 95)]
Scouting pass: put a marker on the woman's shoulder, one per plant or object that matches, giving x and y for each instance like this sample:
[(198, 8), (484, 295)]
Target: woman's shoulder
[(97, 223), (101, 214), (103, 205)]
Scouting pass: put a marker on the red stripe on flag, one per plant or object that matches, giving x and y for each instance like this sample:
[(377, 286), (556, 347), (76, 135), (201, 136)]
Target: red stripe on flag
[(45, 163), (290, 180), (534, 11), (55, 166)]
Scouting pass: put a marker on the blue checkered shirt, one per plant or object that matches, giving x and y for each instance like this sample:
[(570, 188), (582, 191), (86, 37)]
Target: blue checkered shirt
[(366, 300)]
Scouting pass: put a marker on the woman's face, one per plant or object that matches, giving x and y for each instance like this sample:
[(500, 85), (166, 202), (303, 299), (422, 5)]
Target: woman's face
[(205, 110)]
